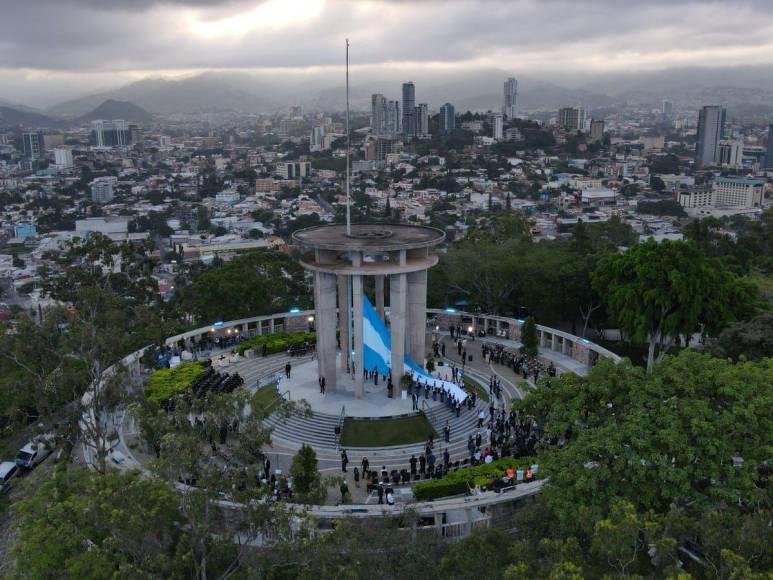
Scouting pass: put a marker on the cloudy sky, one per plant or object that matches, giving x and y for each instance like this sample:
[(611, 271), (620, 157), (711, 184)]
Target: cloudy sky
[(55, 49)]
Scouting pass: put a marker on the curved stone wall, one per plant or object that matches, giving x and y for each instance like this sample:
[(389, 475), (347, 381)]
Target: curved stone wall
[(466, 513)]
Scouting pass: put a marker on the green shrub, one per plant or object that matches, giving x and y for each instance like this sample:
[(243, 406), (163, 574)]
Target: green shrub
[(457, 482), (163, 384), (276, 342)]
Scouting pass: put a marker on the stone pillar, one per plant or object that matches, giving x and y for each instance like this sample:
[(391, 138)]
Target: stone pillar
[(344, 323), (379, 279), (416, 335), (359, 351), (417, 316), (554, 342), (398, 295), (325, 319), (271, 325)]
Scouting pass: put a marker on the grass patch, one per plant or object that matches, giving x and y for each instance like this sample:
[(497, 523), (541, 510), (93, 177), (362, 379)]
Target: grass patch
[(266, 399), (474, 386), (386, 432)]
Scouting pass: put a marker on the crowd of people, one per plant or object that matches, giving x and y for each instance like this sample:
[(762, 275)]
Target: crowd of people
[(520, 364)]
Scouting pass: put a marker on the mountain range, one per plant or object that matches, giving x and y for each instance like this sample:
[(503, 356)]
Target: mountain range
[(745, 90), (112, 109)]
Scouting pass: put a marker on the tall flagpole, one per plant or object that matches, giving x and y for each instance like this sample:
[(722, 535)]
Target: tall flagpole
[(349, 296), (348, 195)]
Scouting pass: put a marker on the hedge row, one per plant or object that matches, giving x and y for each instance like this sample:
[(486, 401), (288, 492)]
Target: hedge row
[(457, 482), (277, 341), (163, 384)]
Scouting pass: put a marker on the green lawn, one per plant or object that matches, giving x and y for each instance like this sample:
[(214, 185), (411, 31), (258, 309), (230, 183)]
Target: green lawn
[(266, 398), (474, 386), (386, 432)]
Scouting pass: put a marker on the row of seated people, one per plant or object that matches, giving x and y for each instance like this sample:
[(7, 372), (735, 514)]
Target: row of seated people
[(212, 381)]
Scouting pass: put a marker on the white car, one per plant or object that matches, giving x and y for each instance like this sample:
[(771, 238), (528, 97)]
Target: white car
[(8, 469), (35, 451)]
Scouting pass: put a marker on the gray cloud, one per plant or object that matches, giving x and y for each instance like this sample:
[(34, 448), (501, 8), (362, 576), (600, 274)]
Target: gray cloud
[(111, 38)]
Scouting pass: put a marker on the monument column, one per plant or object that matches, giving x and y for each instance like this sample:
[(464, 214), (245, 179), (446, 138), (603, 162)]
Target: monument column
[(379, 278), (344, 323), (359, 343), (398, 294), (417, 311), (325, 318)]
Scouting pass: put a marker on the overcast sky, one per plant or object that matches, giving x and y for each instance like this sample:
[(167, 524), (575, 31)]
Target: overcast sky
[(55, 49)]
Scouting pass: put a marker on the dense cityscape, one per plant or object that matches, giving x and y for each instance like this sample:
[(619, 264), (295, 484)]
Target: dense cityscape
[(369, 326)]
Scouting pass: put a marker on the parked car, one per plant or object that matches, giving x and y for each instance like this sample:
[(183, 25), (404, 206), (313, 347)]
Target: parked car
[(35, 451), (8, 469)]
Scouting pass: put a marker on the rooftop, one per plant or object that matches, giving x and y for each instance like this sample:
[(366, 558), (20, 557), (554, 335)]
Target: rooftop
[(369, 237)]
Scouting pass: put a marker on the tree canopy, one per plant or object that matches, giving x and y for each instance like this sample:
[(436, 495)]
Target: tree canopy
[(657, 291), (250, 285)]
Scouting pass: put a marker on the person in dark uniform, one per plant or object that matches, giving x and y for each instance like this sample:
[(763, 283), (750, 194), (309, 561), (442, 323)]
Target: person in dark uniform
[(344, 460), (422, 464), (413, 466)]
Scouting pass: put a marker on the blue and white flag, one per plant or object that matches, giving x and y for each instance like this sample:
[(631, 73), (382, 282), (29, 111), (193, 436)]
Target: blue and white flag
[(377, 343)]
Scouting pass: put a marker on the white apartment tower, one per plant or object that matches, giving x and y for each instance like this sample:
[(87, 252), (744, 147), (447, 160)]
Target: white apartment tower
[(510, 98)]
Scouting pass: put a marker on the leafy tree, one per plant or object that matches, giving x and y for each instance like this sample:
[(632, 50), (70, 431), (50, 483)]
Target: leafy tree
[(667, 207), (752, 339), (529, 337), (483, 554), (656, 291), (255, 283), (307, 481), (83, 525), (692, 434), (618, 538)]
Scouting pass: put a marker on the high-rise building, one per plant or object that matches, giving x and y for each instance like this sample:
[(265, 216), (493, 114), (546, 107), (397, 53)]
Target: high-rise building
[(378, 149), (317, 138), (596, 130), (738, 192), (115, 133), (769, 151), (393, 122), (498, 124), (422, 119), (378, 113), (102, 189), (510, 98), (730, 153), (293, 169), (571, 119), (711, 129), (32, 145), (447, 118), (63, 158), (668, 108), (409, 110)]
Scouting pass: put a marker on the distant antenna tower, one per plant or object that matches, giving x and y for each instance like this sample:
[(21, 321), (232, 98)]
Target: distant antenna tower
[(348, 195)]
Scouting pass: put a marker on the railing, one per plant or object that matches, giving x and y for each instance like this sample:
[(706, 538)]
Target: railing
[(340, 427)]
